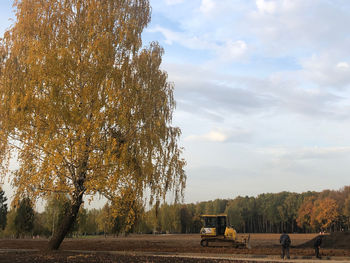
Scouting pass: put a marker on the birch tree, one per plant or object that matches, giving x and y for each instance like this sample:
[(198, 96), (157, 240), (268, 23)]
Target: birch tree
[(85, 107)]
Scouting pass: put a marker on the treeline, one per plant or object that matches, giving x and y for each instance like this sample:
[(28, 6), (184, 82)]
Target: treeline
[(328, 210), (23, 221)]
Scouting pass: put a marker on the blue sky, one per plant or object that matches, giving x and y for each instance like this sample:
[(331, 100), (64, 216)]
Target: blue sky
[(262, 91)]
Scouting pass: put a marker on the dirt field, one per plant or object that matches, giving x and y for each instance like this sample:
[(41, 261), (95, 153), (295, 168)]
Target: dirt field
[(100, 249)]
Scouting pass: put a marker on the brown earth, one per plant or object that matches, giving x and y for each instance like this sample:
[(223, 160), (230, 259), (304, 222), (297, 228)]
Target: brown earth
[(337, 240), (70, 257), (95, 249)]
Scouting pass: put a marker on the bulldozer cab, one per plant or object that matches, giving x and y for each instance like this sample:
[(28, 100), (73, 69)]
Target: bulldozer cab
[(219, 222)]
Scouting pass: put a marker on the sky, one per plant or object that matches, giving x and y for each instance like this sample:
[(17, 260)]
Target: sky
[(262, 90)]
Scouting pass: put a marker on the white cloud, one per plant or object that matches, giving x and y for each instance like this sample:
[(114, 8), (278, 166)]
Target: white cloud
[(326, 70), (213, 136), (233, 50), (222, 135), (285, 26), (266, 6), (188, 41), (227, 51), (343, 66), (207, 6)]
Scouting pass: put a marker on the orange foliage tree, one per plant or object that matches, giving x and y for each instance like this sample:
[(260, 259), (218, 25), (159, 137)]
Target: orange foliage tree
[(85, 107), (316, 213), (324, 213), (305, 213)]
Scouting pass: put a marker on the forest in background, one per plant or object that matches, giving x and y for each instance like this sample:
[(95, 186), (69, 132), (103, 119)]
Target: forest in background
[(306, 212)]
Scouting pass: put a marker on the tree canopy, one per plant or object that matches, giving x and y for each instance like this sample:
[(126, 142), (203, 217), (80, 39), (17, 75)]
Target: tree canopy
[(85, 107)]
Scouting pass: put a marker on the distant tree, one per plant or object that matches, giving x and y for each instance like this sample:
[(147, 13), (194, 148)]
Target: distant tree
[(24, 219), (165, 218), (55, 210), (40, 228), (200, 208), (81, 223), (90, 227), (105, 220), (292, 204), (145, 225), (233, 211), (340, 196), (324, 214), (185, 219), (196, 224), (142, 225), (168, 218), (346, 210), (3, 209), (305, 213), (268, 210), (155, 217), (89, 110), (10, 230), (209, 207), (219, 206)]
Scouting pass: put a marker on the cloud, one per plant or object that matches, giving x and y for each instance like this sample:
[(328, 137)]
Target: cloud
[(213, 136), (297, 27), (222, 135), (279, 70), (226, 51), (188, 41), (221, 99), (284, 27), (293, 96), (207, 6), (266, 6), (343, 66), (307, 153), (218, 96), (233, 50), (326, 69)]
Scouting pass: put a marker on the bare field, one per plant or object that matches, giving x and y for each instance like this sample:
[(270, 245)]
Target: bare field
[(164, 243), (262, 244)]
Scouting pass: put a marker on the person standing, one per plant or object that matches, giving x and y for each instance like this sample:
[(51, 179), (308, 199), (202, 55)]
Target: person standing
[(317, 245), (285, 243)]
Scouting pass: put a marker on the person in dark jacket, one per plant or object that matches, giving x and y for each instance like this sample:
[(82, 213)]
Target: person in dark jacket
[(285, 243), (317, 245)]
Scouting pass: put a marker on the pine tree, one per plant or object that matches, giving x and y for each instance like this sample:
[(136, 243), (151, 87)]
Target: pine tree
[(24, 219)]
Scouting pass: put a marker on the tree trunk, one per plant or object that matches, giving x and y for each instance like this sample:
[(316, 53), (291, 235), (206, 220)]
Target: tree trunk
[(77, 199), (67, 223)]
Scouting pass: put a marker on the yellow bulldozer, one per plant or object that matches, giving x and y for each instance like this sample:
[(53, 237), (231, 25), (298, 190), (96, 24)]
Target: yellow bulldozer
[(216, 229)]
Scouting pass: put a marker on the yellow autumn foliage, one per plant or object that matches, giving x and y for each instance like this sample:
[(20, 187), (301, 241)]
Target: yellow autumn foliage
[(318, 213), (87, 109)]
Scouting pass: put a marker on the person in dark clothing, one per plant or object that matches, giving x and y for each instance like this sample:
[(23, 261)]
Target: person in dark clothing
[(317, 244), (285, 243)]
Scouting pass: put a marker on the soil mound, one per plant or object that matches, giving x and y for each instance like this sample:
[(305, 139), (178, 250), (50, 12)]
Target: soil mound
[(333, 240)]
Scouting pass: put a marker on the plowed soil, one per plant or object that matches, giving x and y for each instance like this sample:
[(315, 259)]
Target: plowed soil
[(98, 249)]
